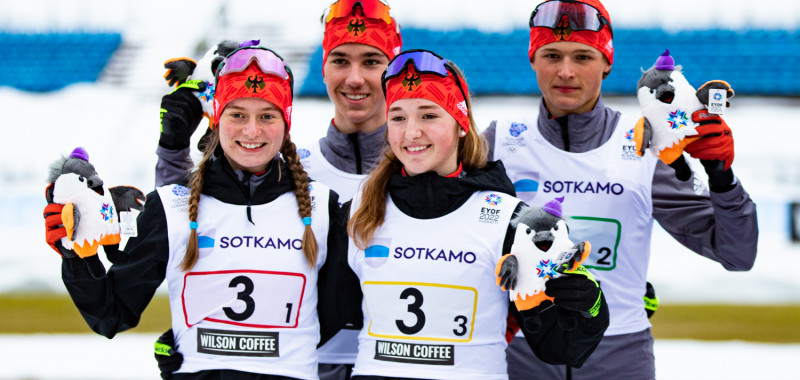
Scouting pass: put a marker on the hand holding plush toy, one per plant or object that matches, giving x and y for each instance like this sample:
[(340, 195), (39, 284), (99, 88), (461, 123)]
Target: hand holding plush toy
[(82, 213), (668, 103), (541, 250)]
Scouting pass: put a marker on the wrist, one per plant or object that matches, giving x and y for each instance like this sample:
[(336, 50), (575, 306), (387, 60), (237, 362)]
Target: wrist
[(720, 180), (172, 142)]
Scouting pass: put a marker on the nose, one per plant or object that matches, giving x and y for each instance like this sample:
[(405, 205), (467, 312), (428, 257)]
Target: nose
[(355, 78), (565, 69), (251, 129), (413, 130)]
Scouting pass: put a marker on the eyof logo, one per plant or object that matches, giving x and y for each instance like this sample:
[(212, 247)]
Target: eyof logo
[(493, 199), (180, 191), (303, 153)]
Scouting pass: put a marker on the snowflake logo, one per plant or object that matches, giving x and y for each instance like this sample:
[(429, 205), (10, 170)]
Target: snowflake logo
[(546, 269), (493, 199), (629, 135), (107, 212), (303, 153), (717, 96), (517, 129), (208, 94), (677, 119)]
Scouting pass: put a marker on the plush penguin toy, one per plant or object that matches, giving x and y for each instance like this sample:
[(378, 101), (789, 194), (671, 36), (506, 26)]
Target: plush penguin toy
[(540, 249), (91, 210), (668, 101)]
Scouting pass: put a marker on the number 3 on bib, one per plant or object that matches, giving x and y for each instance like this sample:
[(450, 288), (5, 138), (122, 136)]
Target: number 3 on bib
[(420, 311)]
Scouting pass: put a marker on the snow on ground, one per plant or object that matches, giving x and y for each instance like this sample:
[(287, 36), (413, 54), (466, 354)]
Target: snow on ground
[(130, 357)]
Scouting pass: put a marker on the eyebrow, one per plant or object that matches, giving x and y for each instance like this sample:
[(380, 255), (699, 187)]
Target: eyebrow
[(425, 107), (369, 54), (240, 108)]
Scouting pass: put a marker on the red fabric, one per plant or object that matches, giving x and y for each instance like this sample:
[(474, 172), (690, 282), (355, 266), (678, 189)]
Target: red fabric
[(601, 40), (361, 30), (53, 227), (716, 139), (442, 91), (252, 83), (511, 327)]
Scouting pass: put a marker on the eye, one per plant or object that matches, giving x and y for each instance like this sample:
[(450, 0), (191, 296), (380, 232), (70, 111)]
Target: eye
[(528, 231), (81, 179), (430, 116), (555, 228), (371, 62)]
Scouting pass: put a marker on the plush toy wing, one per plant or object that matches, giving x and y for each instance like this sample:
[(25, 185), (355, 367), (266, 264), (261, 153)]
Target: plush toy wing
[(127, 198)]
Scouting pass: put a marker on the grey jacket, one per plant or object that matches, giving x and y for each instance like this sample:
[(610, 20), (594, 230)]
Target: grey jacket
[(720, 226)]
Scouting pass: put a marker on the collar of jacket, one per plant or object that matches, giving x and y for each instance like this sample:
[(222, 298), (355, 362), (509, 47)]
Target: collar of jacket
[(339, 149), (586, 131), (429, 195), (220, 181)]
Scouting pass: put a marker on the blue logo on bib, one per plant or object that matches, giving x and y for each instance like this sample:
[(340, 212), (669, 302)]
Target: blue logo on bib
[(517, 129), (303, 153), (376, 254)]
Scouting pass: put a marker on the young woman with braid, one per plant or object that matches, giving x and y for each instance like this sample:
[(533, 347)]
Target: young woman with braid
[(244, 248)]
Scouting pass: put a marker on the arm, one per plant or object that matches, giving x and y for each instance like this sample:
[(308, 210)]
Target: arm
[(721, 226), (339, 291), (489, 134), (114, 301)]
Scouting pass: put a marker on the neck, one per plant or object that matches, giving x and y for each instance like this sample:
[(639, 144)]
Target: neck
[(347, 127)]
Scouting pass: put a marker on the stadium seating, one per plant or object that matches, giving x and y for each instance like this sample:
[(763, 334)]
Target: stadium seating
[(756, 62), (50, 61)]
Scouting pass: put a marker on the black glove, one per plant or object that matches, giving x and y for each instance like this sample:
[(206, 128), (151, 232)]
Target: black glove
[(650, 300), (178, 70), (168, 358), (577, 291), (181, 113)]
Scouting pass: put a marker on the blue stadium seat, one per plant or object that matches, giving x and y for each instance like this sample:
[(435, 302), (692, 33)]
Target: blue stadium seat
[(757, 62), (50, 61)]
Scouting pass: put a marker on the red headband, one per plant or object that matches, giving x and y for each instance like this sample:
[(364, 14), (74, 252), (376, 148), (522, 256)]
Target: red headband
[(361, 30), (252, 83), (601, 40), (442, 91)]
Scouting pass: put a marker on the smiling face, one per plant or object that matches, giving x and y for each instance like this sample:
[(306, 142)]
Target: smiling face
[(570, 75), (423, 136), (251, 132), (353, 79)]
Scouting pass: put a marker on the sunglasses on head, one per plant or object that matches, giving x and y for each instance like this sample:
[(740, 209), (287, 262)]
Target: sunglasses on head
[(377, 9), (267, 60), (581, 16), (425, 62)]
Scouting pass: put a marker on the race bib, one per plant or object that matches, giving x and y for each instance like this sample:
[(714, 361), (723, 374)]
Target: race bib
[(604, 235), (251, 298), (420, 311)]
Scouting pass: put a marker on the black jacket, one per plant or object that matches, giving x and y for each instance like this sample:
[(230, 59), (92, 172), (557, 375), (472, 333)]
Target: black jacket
[(114, 301), (430, 195)]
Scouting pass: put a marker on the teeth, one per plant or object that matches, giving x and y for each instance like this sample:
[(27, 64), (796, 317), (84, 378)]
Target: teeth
[(251, 145), (417, 148), (355, 96)]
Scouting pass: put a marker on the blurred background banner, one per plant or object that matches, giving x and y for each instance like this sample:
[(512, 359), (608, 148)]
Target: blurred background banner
[(90, 73)]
